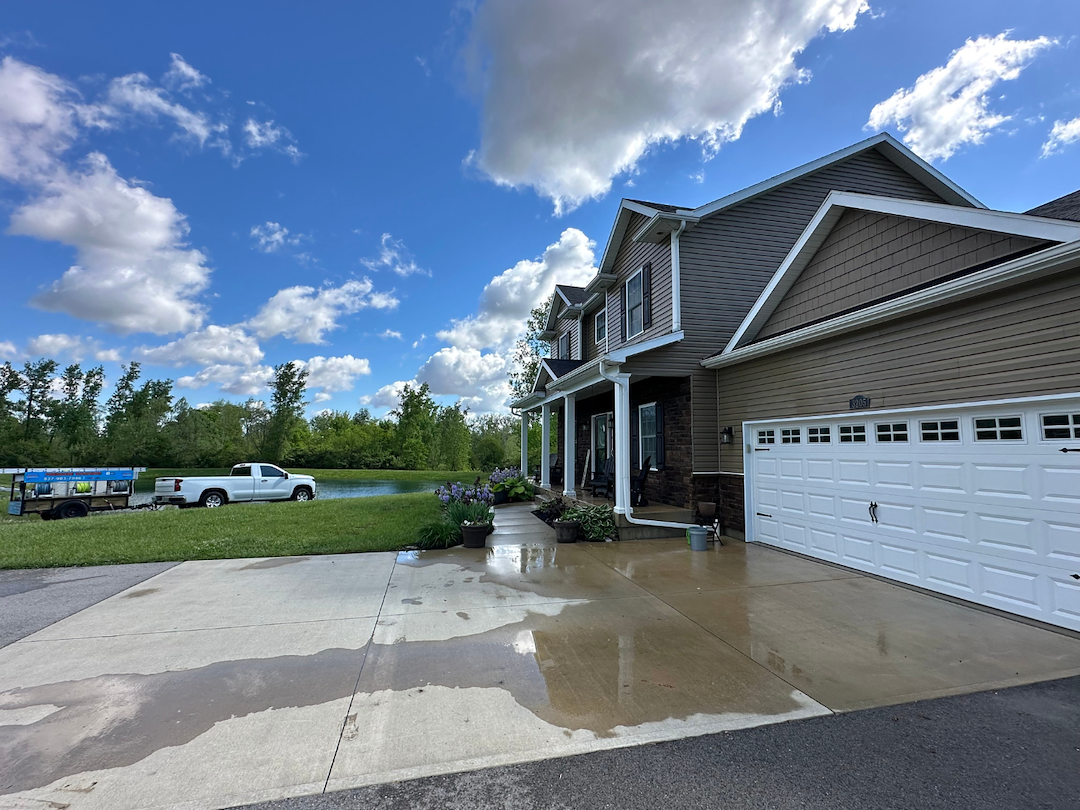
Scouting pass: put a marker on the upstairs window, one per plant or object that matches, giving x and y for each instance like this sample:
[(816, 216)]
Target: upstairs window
[(852, 433), (600, 324), (635, 306), (1061, 426), (564, 347), (998, 428)]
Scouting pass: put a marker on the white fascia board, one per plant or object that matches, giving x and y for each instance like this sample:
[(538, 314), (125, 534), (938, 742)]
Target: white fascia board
[(620, 356), (890, 147), (839, 201), (618, 230), (552, 313), (1046, 262), (527, 403), (645, 232), (600, 283)]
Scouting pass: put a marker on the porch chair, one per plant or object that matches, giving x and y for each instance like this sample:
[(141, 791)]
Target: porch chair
[(554, 467), (604, 482), (709, 517), (637, 485)]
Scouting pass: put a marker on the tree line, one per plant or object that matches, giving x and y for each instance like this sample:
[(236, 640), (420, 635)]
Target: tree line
[(54, 417)]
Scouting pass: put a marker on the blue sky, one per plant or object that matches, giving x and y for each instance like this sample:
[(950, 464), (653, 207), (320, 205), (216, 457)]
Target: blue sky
[(383, 191)]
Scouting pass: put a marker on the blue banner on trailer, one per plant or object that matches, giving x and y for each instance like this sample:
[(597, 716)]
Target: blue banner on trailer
[(57, 476)]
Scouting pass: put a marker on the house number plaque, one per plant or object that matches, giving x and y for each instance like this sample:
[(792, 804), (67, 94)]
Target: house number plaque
[(859, 402)]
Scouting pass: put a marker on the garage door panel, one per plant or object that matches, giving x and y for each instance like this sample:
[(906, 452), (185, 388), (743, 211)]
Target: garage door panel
[(993, 521)]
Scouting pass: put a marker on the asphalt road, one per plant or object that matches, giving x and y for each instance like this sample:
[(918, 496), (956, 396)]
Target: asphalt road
[(1013, 748), (32, 599)]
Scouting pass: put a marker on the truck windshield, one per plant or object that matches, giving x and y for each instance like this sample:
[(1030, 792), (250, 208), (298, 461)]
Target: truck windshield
[(241, 471)]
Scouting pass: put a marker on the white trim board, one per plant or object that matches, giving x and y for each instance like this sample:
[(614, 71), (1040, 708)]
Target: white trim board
[(834, 206), (1046, 262)]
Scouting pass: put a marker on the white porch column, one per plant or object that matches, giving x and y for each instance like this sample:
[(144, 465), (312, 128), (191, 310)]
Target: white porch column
[(545, 445), (524, 442), (622, 443), (569, 471)]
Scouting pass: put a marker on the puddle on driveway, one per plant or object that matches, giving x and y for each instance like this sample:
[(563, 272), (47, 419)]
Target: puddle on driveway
[(140, 592), (273, 562), (112, 721)]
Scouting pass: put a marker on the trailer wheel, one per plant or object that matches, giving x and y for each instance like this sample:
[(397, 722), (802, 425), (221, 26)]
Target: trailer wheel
[(45, 515), (212, 499), (71, 509)]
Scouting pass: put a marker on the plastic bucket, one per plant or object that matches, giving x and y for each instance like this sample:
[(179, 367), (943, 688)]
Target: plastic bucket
[(699, 538)]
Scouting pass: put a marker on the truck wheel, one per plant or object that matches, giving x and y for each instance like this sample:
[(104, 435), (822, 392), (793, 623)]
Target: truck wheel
[(212, 499), (71, 509), (301, 494)]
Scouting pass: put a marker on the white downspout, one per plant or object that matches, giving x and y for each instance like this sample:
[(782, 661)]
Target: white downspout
[(676, 279), (622, 454)]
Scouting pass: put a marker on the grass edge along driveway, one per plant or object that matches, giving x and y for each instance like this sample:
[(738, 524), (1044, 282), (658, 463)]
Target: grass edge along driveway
[(340, 526)]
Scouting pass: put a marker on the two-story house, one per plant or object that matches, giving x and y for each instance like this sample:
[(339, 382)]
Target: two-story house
[(817, 351)]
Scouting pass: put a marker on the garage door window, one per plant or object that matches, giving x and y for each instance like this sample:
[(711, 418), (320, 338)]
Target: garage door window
[(942, 431), (852, 433), (818, 435), (791, 436), (766, 437), (1061, 426), (998, 428), (892, 432)]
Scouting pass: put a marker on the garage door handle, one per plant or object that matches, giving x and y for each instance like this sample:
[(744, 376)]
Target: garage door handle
[(1070, 449), (762, 514), (873, 512)]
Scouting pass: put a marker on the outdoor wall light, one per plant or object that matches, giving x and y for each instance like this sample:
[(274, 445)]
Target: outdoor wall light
[(727, 435)]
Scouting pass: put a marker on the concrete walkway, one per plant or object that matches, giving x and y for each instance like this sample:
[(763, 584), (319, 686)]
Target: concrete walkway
[(222, 682)]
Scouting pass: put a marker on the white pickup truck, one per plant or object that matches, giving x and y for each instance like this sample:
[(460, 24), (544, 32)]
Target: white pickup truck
[(246, 482)]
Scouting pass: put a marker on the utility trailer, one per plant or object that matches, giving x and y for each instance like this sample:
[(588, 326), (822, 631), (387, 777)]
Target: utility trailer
[(70, 493)]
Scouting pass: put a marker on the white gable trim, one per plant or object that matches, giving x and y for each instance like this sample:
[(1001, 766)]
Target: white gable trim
[(838, 202), (884, 143), (1046, 262)]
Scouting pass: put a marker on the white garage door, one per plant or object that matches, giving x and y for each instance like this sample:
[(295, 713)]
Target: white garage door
[(978, 501)]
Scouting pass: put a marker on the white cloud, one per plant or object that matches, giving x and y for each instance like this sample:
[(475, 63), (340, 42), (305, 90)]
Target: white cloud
[(390, 333), (305, 314), (233, 379), (265, 135), (39, 115), (8, 351), (227, 345), (273, 236), (58, 345), (134, 273), (322, 396), (137, 94), (573, 97), (334, 373), (393, 255), (182, 76), (419, 340), (508, 298), (1062, 134), (387, 396), (949, 106)]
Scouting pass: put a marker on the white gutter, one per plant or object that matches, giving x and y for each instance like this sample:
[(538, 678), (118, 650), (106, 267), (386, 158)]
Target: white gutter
[(628, 510), (676, 285)]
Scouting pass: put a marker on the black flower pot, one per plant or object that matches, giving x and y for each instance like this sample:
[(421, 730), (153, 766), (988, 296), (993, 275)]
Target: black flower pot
[(501, 496), (566, 532), (474, 536)]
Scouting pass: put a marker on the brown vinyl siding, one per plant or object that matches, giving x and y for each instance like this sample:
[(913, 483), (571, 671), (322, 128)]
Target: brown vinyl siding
[(727, 259), (871, 256), (630, 258), (564, 325), (1023, 341), (588, 332)]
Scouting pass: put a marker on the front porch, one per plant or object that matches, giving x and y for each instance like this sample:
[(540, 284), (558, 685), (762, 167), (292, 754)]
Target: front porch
[(629, 531)]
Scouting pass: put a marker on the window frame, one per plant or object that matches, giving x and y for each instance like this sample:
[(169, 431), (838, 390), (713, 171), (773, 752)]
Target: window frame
[(1072, 426), (997, 437), (596, 325), (559, 351), (766, 436), (791, 435), (640, 275), (853, 436), (939, 431), (891, 432), (823, 434), (641, 436)]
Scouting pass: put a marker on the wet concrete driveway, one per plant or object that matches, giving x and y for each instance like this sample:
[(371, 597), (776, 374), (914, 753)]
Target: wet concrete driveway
[(222, 682)]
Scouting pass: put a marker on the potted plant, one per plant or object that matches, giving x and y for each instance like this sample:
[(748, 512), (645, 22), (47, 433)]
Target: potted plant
[(474, 533), (566, 531)]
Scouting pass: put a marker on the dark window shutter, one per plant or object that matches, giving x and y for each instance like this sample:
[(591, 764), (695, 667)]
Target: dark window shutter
[(635, 445), (646, 295), (622, 311), (658, 462)]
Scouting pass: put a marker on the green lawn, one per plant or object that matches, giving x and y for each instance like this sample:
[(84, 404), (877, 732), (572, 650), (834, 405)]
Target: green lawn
[(384, 523)]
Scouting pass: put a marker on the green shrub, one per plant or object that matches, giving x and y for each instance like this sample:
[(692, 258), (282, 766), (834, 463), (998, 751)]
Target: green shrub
[(439, 534), (597, 522), (516, 489), (458, 512), (552, 509)]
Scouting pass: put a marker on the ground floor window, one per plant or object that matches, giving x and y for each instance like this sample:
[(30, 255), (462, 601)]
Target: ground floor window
[(647, 433)]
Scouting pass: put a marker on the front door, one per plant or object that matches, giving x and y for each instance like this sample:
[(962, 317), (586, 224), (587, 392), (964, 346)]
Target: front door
[(600, 434)]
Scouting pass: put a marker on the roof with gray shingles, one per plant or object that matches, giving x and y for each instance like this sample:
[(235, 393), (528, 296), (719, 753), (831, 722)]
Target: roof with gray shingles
[(575, 295), (664, 207), (561, 368), (1067, 207)]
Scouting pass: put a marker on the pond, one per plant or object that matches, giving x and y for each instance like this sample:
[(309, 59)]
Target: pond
[(331, 488)]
